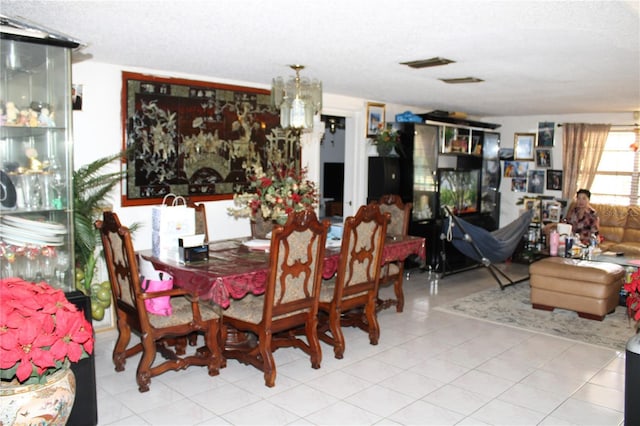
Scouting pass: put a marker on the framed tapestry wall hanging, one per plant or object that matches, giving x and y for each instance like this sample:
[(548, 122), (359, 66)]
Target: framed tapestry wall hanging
[(195, 138)]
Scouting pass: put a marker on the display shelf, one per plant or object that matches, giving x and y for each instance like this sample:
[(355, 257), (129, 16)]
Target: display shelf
[(36, 214)]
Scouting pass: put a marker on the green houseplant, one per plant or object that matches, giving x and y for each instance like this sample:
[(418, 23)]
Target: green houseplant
[(91, 188)]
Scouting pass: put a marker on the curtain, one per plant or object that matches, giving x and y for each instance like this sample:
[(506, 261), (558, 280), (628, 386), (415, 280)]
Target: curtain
[(582, 148)]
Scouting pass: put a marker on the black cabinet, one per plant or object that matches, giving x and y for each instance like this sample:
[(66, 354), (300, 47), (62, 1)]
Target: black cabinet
[(433, 154), (384, 177), (85, 407)]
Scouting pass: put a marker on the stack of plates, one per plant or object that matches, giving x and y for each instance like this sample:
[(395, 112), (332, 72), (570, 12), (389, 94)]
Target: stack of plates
[(20, 231)]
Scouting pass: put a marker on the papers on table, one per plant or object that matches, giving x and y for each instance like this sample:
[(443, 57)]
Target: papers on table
[(331, 243), (263, 244), (257, 244)]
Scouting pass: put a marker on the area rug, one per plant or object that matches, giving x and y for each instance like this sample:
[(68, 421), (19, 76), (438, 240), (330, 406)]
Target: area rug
[(512, 307)]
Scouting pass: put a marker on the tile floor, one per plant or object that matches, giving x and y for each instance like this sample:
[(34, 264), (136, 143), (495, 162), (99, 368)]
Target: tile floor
[(430, 368)]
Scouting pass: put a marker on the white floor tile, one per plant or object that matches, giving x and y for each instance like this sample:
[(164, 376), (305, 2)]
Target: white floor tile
[(584, 413), (483, 383), (379, 400), (457, 399), (600, 395), (339, 384), (302, 400), (185, 412), (424, 413), (342, 413), (500, 413), (261, 413), (430, 367), (541, 400)]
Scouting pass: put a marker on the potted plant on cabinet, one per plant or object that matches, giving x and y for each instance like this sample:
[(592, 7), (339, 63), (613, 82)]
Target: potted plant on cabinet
[(387, 140)]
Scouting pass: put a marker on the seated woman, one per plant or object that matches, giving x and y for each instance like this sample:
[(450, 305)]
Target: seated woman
[(583, 218)]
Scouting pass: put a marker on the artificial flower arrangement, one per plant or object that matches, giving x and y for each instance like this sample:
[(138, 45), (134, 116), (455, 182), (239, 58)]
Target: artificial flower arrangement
[(633, 297), (41, 332), (387, 138), (273, 196)]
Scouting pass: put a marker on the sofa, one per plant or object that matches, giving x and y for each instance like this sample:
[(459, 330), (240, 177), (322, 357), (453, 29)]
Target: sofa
[(619, 228)]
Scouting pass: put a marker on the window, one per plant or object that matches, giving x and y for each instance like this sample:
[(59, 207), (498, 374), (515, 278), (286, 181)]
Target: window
[(616, 181)]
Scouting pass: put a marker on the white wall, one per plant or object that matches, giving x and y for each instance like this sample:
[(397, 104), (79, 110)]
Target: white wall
[(98, 133), (529, 124)]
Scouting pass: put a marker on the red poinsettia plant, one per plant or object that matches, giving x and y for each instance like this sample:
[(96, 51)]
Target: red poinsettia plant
[(633, 297), (40, 331)]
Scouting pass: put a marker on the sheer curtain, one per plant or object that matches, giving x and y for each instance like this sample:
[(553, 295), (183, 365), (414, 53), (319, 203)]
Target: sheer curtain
[(582, 148)]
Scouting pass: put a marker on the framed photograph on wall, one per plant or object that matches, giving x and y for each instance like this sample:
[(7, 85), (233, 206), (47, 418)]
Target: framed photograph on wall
[(535, 181), (523, 146), (545, 134), (543, 158), (519, 184), (554, 180), (375, 118), (533, 204), (76, 97), (515, 169), (550, 211), (554, 213)]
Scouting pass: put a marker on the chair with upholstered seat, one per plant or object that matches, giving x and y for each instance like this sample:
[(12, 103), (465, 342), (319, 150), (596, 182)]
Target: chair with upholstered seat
[(349, 298), (201, 219), (289, 305), (392, 272), (158, 333)]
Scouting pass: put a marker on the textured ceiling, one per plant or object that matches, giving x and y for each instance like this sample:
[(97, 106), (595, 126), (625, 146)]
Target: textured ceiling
[(536, 57)]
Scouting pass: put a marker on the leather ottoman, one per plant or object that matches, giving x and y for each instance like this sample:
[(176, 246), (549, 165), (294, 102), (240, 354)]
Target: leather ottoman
[(589, 288)]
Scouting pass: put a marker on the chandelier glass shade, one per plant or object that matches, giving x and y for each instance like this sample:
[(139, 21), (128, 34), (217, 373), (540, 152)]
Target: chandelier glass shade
[(297, 98)]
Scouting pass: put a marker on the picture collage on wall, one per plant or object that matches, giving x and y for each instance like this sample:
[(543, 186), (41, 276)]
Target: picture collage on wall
[(532, 172)]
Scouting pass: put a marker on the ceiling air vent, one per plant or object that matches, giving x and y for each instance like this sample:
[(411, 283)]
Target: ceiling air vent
[(426, 63), (461, 80)]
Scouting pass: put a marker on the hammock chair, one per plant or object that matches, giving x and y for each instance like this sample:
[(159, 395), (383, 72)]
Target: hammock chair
[(486, 247)]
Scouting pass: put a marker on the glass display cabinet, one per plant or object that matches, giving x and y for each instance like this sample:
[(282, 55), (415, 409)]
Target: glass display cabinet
[(36, 189), (36, 202)]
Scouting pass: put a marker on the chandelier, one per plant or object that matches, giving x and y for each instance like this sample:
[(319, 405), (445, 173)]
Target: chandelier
[(298, 99)]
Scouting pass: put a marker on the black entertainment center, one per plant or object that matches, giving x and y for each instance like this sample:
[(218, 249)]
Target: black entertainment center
[(444, 162)]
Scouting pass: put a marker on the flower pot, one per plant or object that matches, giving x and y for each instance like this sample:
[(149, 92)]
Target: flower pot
[(42, 404), (260, 227), (384, 150)]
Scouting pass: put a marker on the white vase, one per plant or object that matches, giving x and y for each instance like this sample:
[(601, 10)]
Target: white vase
[(39, 404)]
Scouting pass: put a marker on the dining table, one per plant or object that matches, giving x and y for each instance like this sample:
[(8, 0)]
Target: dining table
[(236, 268)]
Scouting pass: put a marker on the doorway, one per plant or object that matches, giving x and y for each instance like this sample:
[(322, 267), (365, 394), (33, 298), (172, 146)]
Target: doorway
[(332, 165)]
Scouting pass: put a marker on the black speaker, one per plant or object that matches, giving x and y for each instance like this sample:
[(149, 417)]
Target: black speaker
[(85, 407), (384, 177)]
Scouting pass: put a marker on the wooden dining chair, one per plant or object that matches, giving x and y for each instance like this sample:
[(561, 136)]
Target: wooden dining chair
[(349, 299), (201, 218), (289, 305), (166, 335), (393, 272)]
